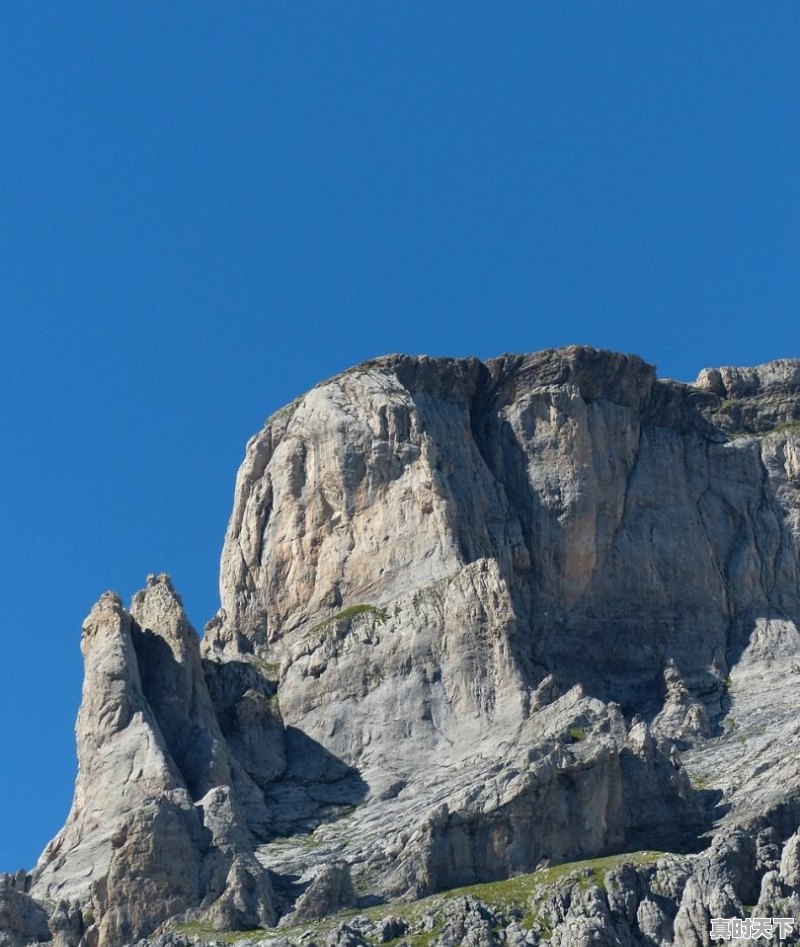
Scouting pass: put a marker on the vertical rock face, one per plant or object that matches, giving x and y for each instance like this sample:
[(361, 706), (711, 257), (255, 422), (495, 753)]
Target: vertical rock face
[(123, 761), (474, 617), (160, 810), (613, 506)]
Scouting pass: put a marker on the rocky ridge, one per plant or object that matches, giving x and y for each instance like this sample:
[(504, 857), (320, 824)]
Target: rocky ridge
[(477, 619)]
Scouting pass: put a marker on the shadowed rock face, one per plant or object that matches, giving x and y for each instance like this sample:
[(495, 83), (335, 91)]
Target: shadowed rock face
[(474, 616)]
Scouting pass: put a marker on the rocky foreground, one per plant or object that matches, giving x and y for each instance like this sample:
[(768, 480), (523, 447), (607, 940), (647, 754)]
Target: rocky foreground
[(508, 653)]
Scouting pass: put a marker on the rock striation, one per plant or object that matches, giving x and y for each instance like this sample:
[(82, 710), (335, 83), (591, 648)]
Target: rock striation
[(476, 619)]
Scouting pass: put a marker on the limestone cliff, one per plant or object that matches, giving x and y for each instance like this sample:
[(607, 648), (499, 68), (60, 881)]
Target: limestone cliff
[(477, 618)]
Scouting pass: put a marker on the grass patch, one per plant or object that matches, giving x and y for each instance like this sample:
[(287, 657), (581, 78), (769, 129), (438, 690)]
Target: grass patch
[(352, 611), (512, 896), (577, 734), (515, 891), (786, 426), (363, 368), (270, 669), (199, 929), (700, 782), (422, 939), (305, 842)]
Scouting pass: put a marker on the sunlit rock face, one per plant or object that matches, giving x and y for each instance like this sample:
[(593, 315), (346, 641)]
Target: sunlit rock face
[(476, 618)]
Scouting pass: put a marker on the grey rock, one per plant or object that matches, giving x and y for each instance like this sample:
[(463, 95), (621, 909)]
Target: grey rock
[(790, 861), (22, 920), (475, 618), (132, 826), (683, 716), (346, 936), (654, 923), (390, 928), (248, 900), (160, 807), (330, 891)]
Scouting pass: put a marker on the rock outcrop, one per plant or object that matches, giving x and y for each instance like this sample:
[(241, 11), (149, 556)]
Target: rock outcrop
[(22, 919), (476, 619), (160, 810)]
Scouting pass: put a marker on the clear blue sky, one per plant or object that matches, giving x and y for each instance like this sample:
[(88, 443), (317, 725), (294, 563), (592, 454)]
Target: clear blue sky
[(205, 208)]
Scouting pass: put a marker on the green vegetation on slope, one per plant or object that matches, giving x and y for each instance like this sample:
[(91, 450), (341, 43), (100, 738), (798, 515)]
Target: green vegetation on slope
[(510, 896), (352, 611)]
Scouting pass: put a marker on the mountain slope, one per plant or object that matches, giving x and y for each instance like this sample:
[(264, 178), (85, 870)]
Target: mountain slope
[(476, 619)]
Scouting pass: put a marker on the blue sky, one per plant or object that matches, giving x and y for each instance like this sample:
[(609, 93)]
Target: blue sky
[(206, 208)]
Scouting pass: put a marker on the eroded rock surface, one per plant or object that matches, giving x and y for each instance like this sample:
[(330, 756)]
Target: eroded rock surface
[(160, 809), (476, 618)]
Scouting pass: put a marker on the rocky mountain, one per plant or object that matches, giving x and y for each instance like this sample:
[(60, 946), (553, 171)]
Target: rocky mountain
[(480, 623)]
